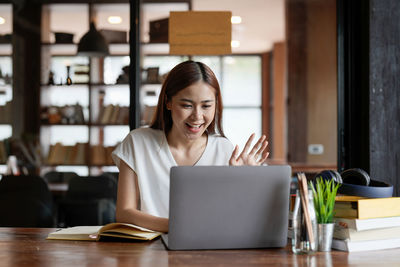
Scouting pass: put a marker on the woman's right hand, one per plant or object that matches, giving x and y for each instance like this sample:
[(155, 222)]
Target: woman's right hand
[(257, 155)]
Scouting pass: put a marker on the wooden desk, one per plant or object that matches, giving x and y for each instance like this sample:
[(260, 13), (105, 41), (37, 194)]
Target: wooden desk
[(28, 247)]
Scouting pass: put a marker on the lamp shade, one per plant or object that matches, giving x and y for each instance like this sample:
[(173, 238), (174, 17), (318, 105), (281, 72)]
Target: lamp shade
[(93, 43)]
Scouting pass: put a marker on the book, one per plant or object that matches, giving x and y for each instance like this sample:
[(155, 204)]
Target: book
[(56, 154), (352, 246), (109, 150), (367, 208), (368, 224), (114, 115), (341, 232), (98, 155), (81, 153), (123, 115), (107, 113), (96, 233)]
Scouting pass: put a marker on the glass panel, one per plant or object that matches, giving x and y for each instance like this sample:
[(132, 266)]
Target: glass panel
[(240, 123), (214, 63), (5, 94), (163, 63), (241, 79), (116, 70), (65, 95), (80, 170), (5, 131), (6, 69), (68, 135), (66, 18), (114, 134)]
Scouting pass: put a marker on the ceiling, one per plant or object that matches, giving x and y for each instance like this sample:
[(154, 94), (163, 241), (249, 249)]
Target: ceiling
[(262, 23)]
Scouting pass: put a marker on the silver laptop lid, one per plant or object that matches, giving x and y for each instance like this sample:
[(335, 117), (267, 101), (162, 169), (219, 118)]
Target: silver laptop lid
[(226, 207)]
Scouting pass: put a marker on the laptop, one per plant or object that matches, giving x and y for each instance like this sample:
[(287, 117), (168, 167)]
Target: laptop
[(228, 207)]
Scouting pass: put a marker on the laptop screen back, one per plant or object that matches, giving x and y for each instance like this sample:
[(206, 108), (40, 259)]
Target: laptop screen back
[(226, 207)]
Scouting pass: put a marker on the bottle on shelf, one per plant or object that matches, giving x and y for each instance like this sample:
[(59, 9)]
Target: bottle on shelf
[(69, 80)]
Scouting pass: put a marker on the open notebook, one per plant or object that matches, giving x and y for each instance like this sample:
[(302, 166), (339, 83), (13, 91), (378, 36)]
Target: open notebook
[(95, 233)]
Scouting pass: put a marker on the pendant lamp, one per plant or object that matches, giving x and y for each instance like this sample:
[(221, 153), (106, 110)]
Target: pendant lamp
[(93, 43)]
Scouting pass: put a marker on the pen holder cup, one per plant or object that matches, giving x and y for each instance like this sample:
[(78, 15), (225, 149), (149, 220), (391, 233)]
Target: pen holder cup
[(305, 239)]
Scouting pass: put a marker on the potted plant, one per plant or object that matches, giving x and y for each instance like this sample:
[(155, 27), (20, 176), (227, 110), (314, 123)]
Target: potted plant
[(324, 193)]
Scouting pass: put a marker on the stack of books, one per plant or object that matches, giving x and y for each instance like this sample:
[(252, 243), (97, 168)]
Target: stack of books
[(363, 224)]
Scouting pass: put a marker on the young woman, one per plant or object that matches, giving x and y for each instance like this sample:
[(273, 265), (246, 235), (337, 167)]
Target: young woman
[(187, 130)]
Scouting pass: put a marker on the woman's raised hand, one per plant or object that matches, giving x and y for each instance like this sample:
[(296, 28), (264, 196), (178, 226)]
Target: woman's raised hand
[(257, 156)]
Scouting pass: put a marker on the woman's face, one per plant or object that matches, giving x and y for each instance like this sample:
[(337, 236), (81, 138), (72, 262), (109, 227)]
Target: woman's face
[(192, 110)]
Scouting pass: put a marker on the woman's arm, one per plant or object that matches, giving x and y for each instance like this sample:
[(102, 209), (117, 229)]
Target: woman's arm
[(128, 200)]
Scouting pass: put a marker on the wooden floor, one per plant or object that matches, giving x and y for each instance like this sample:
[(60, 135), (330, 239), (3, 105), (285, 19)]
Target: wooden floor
[(28, 247)]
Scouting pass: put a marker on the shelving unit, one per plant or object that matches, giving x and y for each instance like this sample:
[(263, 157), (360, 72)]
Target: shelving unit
[(6, 88), (81, 145)]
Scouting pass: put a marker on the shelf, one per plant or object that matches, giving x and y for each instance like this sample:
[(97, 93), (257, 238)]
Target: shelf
[(62, 124), (155, 48), (86, 84), (111, 85), (74, 85), (58, 49), (5, 49), (78, 165), (75, 44), (106, 125), (84, 124)]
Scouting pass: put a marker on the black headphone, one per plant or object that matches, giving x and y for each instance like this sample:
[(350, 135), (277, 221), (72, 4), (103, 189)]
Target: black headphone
[(356, 182)]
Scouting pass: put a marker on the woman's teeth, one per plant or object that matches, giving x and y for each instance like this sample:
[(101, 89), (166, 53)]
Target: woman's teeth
[(194, 125)]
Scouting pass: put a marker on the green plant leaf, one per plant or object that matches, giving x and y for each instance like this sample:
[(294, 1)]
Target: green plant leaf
[(324, 193)]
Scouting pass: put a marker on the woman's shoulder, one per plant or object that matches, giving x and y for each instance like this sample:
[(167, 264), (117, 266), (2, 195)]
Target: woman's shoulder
[(146, 133), (145, 136)]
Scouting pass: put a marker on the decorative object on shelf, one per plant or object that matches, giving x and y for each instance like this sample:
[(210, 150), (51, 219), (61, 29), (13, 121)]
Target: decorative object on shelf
[(69, 80), (64, 37), (304, 239), (324, 193), (159, 31), (51, 78), (81, 73), (53, 115), (124, 77), (5, 38), (114, 36), (93, 43), (152, 75), (68, 114), (5, 79)]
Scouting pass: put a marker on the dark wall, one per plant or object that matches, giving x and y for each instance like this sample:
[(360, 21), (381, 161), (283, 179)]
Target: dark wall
[(26, 68), (369, 88), (384, 91)]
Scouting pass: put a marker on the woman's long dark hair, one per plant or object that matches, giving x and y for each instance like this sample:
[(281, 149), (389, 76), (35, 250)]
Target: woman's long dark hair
[(180, 77)]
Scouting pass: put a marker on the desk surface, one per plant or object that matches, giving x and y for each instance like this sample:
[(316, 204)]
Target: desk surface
[(28, 247)]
